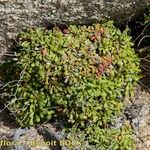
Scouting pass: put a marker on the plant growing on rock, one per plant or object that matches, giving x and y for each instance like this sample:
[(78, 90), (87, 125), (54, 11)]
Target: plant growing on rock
[(78, 75)]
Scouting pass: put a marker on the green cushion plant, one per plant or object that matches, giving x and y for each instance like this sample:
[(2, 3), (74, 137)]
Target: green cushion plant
[(78, 75)]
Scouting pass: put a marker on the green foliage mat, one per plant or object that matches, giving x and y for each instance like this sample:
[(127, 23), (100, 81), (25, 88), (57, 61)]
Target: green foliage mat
[(79, 76)]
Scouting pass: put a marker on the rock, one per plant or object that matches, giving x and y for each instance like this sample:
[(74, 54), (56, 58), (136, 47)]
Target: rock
[(28, 139), (16, 14), (19, 132), (138, 113), (52, 132)]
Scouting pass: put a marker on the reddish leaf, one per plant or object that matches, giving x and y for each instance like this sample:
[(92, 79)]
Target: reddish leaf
[(66, 31)]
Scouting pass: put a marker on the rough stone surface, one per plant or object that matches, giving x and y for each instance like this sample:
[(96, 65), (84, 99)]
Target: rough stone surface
[(138, 113)]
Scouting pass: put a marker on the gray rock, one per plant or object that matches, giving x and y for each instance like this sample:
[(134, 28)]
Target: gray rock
[(138, 114), (19, 132), (49, 133)]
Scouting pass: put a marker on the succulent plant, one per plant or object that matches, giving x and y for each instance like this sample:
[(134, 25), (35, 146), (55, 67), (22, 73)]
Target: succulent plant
[(78, 75)]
